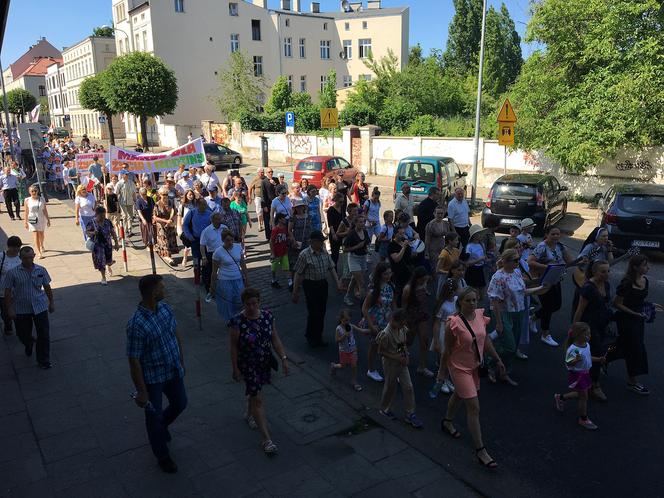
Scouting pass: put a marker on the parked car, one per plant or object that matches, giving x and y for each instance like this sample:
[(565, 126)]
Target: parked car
[(424, 172), (221, 156), (315, 168), (633, 213), (528, 195), (59, 132)]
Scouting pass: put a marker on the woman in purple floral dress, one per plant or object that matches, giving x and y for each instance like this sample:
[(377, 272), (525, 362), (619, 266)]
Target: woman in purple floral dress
[(252, 336), (101, 231)]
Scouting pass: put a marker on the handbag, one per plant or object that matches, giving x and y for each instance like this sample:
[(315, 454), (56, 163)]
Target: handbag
[(183, 238), (482, 370), (90, 242), (33, 219)]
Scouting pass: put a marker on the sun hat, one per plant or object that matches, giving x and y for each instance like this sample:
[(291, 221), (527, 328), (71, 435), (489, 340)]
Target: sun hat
[(528, 222)]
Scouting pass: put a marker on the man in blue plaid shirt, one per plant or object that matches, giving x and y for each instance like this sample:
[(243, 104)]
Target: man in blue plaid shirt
[(154, 348)]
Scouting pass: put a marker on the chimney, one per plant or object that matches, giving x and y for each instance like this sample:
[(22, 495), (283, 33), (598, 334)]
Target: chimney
[(315, 7), (356, 6), (297, 6), (260, 3), (285, 4), (373, 4)]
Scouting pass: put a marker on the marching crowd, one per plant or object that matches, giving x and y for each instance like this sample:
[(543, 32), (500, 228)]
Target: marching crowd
[(421, 274)]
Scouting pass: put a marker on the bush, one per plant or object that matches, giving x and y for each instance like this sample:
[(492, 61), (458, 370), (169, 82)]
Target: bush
[(397, 114)]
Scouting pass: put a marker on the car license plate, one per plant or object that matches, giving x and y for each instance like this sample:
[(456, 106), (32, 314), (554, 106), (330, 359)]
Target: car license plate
[(510, 222), (417, 189), (646, 243), (308, 177)]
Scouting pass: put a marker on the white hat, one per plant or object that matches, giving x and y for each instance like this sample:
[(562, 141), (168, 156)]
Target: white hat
[(474, 230), (298, 203), (528, 222)]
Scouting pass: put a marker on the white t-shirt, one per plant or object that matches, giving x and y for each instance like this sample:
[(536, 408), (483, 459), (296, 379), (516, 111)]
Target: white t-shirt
[(586, 359), (209, 181), (285, 206), (476, 251), (229, 264), (86, 205), (211, 237), (9, 263), (448, 308)]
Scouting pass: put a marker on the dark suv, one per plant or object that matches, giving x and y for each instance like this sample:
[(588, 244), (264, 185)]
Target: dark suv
[(515, 197), (633, 213), (221, 156)]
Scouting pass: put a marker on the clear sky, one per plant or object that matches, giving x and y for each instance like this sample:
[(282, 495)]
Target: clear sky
[(31, 19)]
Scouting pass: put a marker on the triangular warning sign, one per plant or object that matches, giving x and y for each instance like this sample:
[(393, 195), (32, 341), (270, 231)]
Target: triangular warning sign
[(506, 114)]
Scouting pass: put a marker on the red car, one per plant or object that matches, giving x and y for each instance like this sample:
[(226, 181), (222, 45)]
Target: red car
[(315, 168)]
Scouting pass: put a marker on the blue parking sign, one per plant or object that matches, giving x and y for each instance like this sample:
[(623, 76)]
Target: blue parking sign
[(290, 119)]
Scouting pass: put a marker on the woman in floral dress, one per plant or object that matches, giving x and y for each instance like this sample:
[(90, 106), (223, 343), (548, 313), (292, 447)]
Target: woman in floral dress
[(252, 336), (377, 310), (164, 218), (100, 229)]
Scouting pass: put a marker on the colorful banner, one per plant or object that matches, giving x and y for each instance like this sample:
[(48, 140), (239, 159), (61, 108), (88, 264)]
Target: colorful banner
[(191, 154), (83, 161)]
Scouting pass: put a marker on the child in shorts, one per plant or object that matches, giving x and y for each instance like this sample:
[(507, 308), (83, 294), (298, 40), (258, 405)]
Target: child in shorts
[(345, 338), (279, 248)]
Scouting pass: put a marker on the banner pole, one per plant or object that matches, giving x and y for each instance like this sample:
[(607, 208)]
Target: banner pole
[(197, 286), (124, 246), (151, 246)]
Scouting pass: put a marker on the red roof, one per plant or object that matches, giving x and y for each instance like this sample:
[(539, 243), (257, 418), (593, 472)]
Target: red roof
[(38, 66), (41, 49)]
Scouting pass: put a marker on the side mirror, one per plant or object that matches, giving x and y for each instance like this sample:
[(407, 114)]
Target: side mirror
[(598, 196), (564, 188), (464, 173)]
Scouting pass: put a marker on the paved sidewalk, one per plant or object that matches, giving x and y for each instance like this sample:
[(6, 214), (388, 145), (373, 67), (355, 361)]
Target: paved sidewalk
[(73, 430)]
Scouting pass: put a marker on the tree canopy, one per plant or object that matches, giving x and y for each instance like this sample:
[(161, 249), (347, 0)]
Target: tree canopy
[(240, 90), (328, 95), (19, 101), (103, 31), (597, 86), (90, 96)]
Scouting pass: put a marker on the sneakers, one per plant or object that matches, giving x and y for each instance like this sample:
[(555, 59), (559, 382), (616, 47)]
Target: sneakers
[(638, 389), (374, 375), (533, 327), (388, 413), (168, 465), (269, 447), (275, 285), (436, 389), (447, 387), (425, 372), (598, 394), (348, 301), (251, 422), (104, 282), (520, 355), (549, 341), (559, 402), (413, 421), (208, 298), (587, 424)]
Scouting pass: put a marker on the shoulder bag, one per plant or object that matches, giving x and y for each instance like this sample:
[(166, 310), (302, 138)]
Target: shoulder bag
[(482, 370), (183, 238), (33, 219)]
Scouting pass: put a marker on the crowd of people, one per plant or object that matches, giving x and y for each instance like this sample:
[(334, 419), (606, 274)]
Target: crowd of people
[(418, 273)]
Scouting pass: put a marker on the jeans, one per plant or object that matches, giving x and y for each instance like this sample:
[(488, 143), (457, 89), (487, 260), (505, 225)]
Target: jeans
[(8, 324), (158, 420), (315, 293), (207, 270), (11, 198), (24, 332)]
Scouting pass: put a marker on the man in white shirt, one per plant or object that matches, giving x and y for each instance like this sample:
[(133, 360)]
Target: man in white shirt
[(458, 212), (209, 179), (184, 183), (404, 202), (210, 241), (213, 200), (9, 260)]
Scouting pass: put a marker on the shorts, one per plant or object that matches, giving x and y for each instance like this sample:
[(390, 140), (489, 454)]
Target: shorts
[(348, 358), (579, 381), (357, 263), (114, 218), (280, 262)]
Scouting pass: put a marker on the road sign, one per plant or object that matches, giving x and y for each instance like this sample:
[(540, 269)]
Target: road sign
[(329, 118), (290, 123), (102, 119), (505, 133), (506, 114)]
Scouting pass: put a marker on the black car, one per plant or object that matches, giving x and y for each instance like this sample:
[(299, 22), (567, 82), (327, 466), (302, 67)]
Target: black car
[(527, 195), (633, 213), (221, 156)]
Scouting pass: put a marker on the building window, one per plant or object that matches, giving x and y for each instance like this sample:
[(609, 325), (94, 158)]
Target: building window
[(288, 47), (347, 26), (136, 42), (290, 82), (323, 80), (120, 12), (365, 25), (143, 16), (42, 90), (303, 48), (255, 30), (145, 40), (325, 49), (258, 65), (348, 80), (179, 5), (232, 9), (324, 26), (235, 42), (348, 49), (288, 23), (303, 83), (365, 48), (365, 77)]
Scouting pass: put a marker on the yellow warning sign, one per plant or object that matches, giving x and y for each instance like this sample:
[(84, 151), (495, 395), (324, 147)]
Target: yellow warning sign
[(329, 117), (506, 114), (505, 133)]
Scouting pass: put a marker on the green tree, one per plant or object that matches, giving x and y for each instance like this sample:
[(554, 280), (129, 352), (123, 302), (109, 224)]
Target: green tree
[(280, 96), (103, 31), (91, 96), (503, 59), (240, 90), (464, 34), (307, 114), (597, 86), (328, 95), (45, 109), (415, 55), (362, 106), (19, 102), (140, 84), (397, 113)]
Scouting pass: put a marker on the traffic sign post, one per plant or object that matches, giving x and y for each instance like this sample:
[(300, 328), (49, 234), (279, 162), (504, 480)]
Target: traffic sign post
[(329, 118), (506, 121), (102, 119), (290, 129)]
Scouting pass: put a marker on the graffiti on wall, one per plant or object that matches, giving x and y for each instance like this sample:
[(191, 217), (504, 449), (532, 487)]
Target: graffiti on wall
[(300, 144), (532, 160), (638, 165), (221, 133)]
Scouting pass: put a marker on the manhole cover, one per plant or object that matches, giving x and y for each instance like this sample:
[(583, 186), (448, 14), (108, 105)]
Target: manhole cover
[(308, 419)]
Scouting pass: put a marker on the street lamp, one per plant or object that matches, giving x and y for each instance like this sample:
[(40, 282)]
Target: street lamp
[(476, 147), (131, 48)]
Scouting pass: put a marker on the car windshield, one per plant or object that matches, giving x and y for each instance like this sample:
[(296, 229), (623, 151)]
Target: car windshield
[(309, 166), (515, 191), (641, 204), (416, 171)]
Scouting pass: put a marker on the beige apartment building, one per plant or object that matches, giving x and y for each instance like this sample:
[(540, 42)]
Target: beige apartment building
[(56, 91), (196, 37), (87, 58)]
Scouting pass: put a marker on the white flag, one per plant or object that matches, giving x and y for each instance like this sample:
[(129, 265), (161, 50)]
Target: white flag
[(34, 114)]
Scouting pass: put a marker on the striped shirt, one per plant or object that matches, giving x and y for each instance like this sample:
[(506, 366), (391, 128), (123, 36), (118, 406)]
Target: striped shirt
[(314, 265), (151, 339), (27, 286)]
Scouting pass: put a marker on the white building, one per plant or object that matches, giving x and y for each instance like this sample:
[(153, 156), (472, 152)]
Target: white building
[(56, 91), (196, 37), (87, 58)]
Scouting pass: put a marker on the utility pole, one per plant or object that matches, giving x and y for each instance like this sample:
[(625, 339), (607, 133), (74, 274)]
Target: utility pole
[(476, 146), (9, 124)]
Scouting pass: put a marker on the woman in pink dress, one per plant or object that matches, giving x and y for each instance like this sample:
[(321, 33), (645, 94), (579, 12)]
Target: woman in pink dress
[(466, 341)]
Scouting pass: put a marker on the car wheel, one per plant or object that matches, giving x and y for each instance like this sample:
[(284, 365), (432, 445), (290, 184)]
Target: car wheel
[(237, 161)]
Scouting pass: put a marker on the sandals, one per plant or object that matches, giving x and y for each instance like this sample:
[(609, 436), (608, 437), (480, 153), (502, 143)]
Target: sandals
[(452, 432), (491, 375), (269, 447), (491, 464), (251, 422)]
